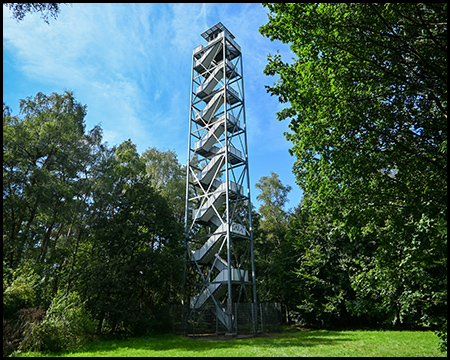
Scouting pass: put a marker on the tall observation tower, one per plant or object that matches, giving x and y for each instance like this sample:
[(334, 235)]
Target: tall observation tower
[(220, 287)]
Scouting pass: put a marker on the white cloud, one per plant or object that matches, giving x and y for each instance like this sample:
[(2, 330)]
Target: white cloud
[(91, 49), (189, 21), (131, 64)]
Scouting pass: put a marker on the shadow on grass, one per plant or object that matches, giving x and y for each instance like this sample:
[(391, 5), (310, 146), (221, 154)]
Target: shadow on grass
[(163, 343)]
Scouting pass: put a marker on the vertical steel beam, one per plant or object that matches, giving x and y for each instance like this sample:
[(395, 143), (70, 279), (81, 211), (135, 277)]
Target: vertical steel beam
[(186, 222), (227, 180), (252, 250)]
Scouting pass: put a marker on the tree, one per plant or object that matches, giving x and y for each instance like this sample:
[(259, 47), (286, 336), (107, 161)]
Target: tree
[(273, 199), (274, 256), (126, 278), (81, 221), (168, 176), (327, 264), (44, 151), (47, 159), (19, 10), (367, 94)]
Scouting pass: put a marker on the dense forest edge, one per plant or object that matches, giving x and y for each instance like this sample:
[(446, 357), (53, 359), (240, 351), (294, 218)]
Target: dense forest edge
[(89, 228)]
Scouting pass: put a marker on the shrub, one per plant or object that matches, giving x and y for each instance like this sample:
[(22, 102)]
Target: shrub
[(19, 306), (442, 334), (65, 326), (19, 328), (19, 292)]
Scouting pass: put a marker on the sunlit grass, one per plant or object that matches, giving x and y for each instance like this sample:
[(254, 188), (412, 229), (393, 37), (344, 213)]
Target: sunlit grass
[(295, 343)]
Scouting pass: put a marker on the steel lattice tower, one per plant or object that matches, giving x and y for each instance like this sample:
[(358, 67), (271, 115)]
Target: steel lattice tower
[(219, 264)]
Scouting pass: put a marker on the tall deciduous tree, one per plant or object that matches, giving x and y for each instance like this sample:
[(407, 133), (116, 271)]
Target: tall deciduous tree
[(367, 94), (45, 150), (275, 259), (135, 249), (81, 219), (273, 199), (47, 159), (168, 176)]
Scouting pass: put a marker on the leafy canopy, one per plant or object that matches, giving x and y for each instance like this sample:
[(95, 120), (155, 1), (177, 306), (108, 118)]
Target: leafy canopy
[(366, 97), (368, 103)]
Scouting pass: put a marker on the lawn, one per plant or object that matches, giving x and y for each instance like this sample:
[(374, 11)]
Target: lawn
[(292, 343)]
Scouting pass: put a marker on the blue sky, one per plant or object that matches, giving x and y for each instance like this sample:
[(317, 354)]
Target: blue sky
[(131, 65)]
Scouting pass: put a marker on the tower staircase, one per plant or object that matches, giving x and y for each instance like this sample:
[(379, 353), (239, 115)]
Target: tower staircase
[(213, 180)]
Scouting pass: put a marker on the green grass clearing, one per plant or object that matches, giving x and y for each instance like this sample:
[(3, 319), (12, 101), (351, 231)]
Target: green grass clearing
[(293, 343)]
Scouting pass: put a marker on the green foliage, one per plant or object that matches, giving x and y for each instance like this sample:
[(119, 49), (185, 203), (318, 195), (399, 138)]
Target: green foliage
[(275, 258), (327, 261), (84, 228), (366, 97), (65, 326), (442, 334), (168, 177), (273, 199), (134, 236), (127, 278), (20, 291), (20, 313), (19, 328), (45, 152)]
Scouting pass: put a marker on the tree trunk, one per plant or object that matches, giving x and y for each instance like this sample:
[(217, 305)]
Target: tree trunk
[(100, 324)]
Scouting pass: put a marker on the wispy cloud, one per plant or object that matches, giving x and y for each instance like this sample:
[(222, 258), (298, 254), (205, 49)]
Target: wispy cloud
[(101, 52), (131, 64), (188, 20)]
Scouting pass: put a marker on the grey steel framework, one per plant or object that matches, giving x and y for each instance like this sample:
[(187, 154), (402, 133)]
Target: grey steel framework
[(219, 264)]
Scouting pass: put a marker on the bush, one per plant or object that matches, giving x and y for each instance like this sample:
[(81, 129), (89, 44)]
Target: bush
[(19, 306), (65, 326), (19, 328), (442, 334), (19, 292)]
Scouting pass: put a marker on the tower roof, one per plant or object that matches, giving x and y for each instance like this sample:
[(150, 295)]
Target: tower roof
[(219, 27)]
